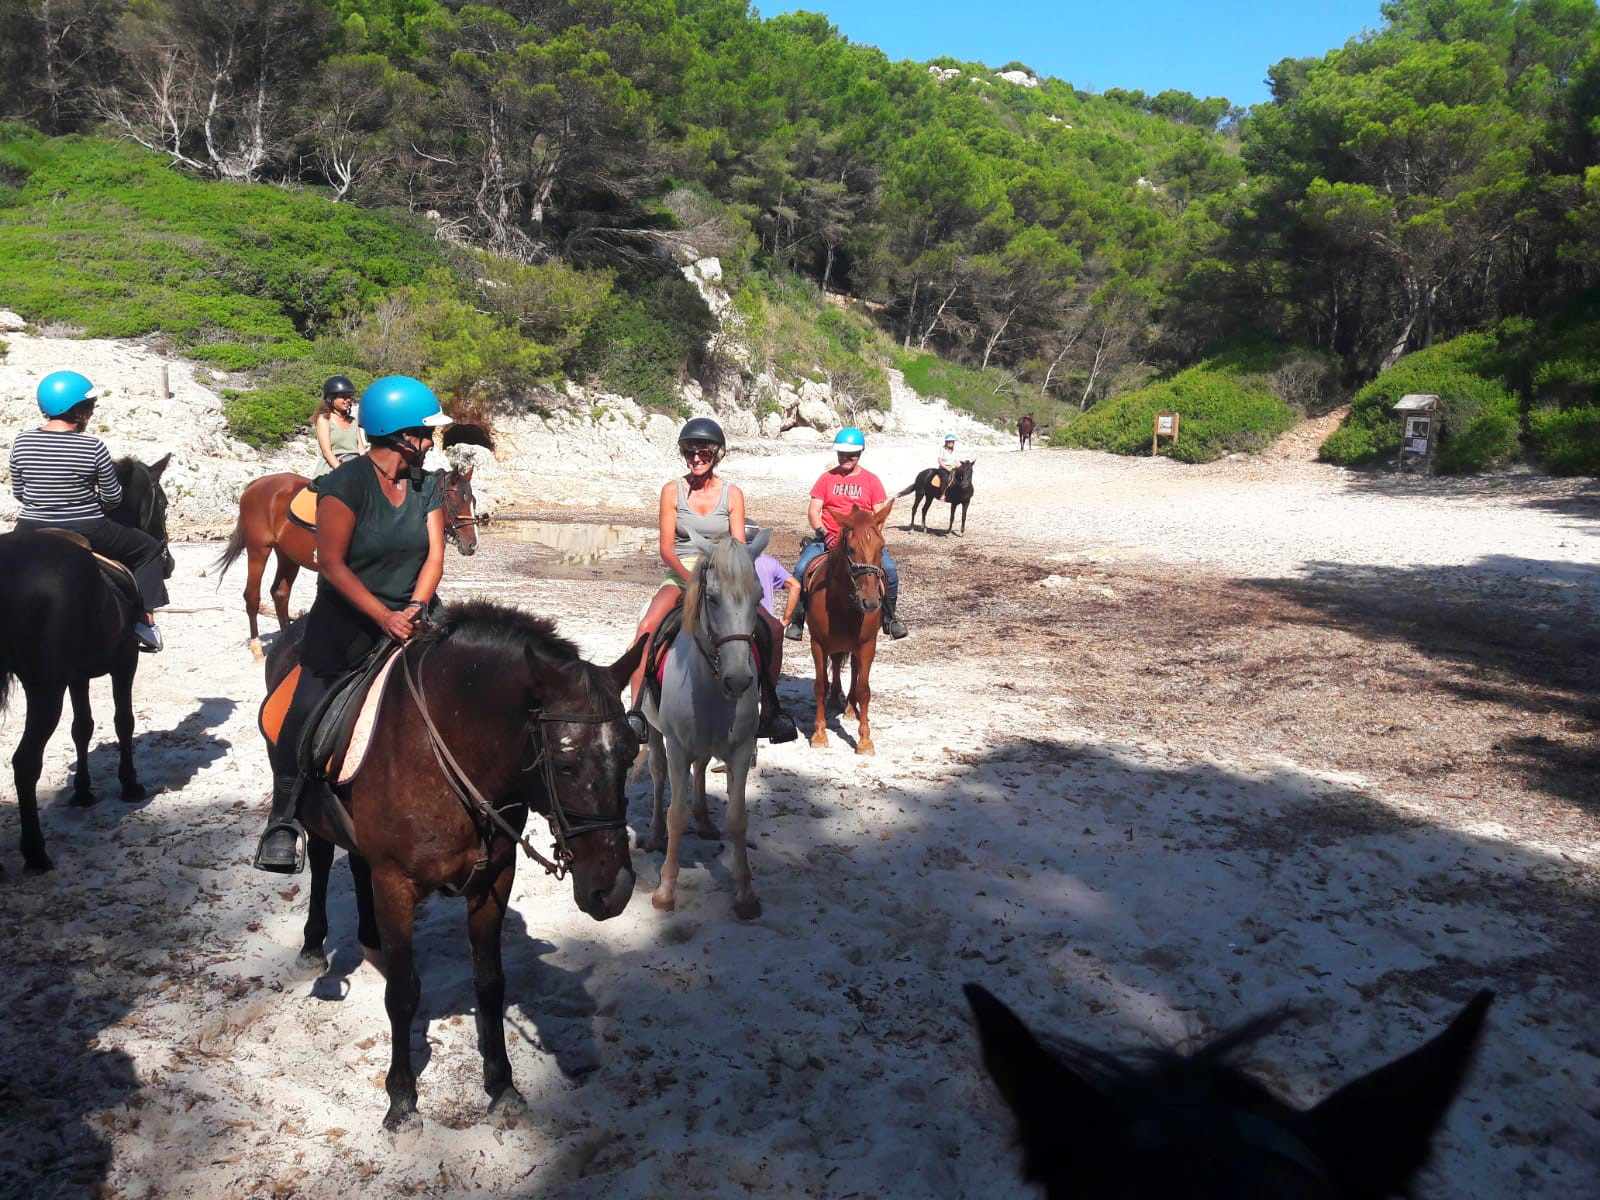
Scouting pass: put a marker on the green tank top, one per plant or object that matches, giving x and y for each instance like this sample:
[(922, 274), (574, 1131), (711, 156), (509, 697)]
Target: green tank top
[(390, 542), (342, 440)]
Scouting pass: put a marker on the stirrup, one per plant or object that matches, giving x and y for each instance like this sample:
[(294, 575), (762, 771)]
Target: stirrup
[(291, 827), (637, 724), (778, 728)]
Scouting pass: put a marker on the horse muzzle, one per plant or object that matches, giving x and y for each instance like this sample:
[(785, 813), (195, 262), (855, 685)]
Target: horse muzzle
[(604, 903)]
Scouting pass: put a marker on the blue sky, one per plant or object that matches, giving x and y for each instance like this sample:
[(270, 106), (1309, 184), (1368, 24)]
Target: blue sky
[(1208, 49)]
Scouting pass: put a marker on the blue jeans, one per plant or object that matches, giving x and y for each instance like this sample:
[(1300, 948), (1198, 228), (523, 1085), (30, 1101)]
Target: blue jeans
[(812, 549)]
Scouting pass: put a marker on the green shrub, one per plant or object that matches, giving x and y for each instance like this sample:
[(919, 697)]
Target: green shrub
[(1226, 405), (1490, 438), (640, 345), (1567, 440), (268, 416), (1456, 371), (988, 395), (549, 303)]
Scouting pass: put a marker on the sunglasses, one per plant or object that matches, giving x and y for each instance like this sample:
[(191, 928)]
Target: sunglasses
[(700, 454)]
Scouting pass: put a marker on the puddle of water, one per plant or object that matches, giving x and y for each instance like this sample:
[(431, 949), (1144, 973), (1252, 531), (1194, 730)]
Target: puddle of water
[(573, 545)]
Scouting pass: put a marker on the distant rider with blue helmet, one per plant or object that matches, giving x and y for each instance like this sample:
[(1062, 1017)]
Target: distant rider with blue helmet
[(380, 556), (64, 479), (840, 489), (945, 471)]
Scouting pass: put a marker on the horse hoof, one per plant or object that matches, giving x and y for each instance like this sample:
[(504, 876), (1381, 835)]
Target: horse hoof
[(83, 799), (655, 845), (664, 903), (865, 746), (508, 1110), (405, 1124), (255, 650), (850, 713), (747, 910), (312, 960), (707, 830), (37, 864), (819, 740), (134, 792)]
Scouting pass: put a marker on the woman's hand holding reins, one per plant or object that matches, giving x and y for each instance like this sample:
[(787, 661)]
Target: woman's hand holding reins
[(402, 624)]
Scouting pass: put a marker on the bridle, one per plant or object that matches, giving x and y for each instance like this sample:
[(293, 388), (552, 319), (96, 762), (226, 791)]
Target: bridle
[(713, 656), (566, 824), (454, 524), (858, 570)]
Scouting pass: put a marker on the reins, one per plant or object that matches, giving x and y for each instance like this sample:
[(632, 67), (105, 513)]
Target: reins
[(857, 570), (478, 808)]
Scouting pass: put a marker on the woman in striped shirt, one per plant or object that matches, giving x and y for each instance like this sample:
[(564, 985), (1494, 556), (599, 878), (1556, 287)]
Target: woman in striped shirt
[(64, 479)]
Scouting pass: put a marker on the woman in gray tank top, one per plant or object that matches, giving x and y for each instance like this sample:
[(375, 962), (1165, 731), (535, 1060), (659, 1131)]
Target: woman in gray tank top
[(700, 502)]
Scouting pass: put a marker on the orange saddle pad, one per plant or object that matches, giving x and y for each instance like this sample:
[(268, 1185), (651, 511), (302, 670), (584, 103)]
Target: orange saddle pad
[(342, 768), (303, 508)]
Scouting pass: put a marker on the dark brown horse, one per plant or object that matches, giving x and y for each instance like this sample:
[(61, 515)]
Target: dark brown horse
[(61, 625), (1025, 428), (498, 704), (957, 489), (264, 526), (844, 611), (1192, 1127)]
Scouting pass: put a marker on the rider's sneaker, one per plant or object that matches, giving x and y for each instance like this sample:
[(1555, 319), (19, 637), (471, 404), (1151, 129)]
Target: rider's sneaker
[(149, 637), (793, 631), (895, 627), (639, 726)]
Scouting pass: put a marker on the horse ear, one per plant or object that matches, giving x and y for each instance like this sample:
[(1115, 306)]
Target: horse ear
[(157, 467), (622, 670), (1060, 1116), (884, 515), (700, 546), (1373, 1134), (758, 544)]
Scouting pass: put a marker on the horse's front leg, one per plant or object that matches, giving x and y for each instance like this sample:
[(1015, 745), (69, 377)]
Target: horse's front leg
[(861, 690), (122, 721), (320, 855), (657, 842), (82, 731), (255, 563), (746, 906), (44, 714), (396, 901), (366, 911), (486, 914), (666, 893), (819, 734), (704, 826)]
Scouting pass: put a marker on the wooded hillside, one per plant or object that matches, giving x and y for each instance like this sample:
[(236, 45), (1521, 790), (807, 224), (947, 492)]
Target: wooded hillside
[(1430, 179)]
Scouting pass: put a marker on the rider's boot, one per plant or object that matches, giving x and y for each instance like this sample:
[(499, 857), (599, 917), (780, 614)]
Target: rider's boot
[(775, 725), (893, 625), (283, 846), (795, 629)]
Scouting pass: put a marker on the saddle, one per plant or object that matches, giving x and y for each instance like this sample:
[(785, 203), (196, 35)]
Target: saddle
[(303, 507), (655, 662), (116, 575), (336, 736)]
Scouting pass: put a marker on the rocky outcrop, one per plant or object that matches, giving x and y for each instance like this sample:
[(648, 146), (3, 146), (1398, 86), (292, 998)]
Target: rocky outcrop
[(940, 74), (1020, 78), (10, 322)]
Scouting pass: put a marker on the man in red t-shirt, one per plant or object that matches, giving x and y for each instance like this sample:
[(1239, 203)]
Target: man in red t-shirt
[(840, 489)]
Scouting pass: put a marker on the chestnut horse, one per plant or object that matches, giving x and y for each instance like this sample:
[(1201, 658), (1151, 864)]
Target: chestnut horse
[(490, 709), (844, 610), (264, 526)]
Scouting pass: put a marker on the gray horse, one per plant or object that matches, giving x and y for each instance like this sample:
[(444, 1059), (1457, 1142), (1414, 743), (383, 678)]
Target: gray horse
[(710, 701)]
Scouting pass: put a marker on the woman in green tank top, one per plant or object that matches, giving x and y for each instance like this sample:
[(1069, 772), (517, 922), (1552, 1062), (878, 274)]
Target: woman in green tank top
[(338, 436)]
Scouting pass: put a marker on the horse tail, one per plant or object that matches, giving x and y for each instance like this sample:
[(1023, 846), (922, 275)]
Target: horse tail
[(908, 490), (234, 548)]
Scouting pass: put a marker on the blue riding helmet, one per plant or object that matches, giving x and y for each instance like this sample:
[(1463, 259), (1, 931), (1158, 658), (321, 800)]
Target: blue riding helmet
[(850, 440), (61, 391), (398, 402)]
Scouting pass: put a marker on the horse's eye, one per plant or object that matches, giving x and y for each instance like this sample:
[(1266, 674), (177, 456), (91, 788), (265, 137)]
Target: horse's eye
[(566, 768)]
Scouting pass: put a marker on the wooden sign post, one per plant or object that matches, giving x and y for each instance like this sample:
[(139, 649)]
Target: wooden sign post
[(1166, 427)]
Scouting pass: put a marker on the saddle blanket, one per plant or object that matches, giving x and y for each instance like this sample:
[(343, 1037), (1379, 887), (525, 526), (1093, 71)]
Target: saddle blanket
[(347, 764), (303, 508)]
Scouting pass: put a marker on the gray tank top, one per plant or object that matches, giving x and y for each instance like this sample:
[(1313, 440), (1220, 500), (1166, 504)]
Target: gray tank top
[(713, 526)]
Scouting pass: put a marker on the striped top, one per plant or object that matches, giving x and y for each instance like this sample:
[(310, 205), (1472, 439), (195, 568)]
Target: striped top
[(63, 477)]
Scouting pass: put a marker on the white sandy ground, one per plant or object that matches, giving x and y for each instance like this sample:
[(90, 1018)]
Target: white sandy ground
[(158, 1041)]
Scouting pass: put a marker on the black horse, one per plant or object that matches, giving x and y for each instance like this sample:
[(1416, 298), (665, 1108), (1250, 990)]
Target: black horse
[(1194, 1126), (957, 490), (61, 625)]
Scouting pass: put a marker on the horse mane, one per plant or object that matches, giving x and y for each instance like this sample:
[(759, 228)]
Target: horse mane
[(502, 629), (739, 586)]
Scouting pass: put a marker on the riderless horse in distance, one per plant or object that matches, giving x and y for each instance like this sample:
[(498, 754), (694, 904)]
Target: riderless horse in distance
[(1025, 428), (482, 719), (1195, 1127), (276, 513), (844, 611), (63, 623), (708, 707), (958, 491)]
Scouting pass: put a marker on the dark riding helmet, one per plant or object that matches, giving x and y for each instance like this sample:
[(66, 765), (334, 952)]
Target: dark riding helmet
[(702, 429), (337, 385)]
